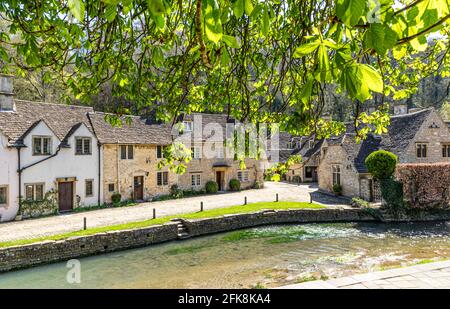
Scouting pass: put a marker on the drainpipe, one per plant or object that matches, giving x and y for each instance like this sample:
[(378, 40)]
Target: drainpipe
[(99, 146), (19, 172)]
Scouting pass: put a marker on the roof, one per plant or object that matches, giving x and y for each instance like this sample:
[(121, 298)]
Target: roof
[(60, 118), (401, 131), (138, 130), (208, 120)]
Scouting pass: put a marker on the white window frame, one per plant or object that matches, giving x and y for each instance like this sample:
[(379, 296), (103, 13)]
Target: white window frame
[(34, 185), (220, 153), (84, 140), (242, 175), (336, 172), (196, 152), (41, 138), (6, 196), (85, 188), (196, 180), (188, 126)]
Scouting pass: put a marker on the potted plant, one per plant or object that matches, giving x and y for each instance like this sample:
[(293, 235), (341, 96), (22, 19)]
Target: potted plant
[(337, 189)]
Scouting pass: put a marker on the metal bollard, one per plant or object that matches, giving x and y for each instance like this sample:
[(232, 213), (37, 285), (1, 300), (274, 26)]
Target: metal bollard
[(276, 199), (310, 198), (84, 223), (154, 213), (245, 200), (201, 206)]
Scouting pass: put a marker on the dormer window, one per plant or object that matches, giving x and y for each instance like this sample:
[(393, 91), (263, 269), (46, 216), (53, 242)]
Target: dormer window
[(310, 144), (290, 145), (188, 126), (42, 145)]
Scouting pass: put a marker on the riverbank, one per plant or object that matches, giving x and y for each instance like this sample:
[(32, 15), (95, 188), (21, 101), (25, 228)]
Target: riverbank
[(424, 276), (191, 225)]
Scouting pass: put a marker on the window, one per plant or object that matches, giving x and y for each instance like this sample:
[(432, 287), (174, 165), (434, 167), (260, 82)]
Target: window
[(162, 178), (111, 187), (421, 150), (196, 180), (159, 152), (336, 174), (219, 152), (195, 152), (3, 195), (187, 126), (446, 150), (89, 187), (83, 146), (42, 145), (242, 176), (34, 192), (290, 145), (126, 152), (310, 144)]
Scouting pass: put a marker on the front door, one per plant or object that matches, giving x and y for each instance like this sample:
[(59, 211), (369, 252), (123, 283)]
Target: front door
[(219, 180), (314, 174), (65, 196), (139, 188)]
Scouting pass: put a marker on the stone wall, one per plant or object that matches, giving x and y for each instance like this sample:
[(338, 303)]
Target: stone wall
[(335, 154), (121, 173), (53, 251), (434, 132)]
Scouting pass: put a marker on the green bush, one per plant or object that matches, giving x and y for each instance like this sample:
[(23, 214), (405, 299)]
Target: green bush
[(359, 202), (116, 198), (235, 184), (381, 164), (211, 187), (257, 185), (176, 192), (392, 193), (337, 189)]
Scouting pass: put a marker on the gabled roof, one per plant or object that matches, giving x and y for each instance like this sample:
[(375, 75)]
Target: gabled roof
[(60, 118), (401, 132), (138, 131), (207, 121)]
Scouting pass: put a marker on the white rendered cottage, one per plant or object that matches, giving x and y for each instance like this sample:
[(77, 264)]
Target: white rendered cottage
[(48, 153)]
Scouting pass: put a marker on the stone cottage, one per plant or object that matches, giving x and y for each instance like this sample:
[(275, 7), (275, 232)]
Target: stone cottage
[(416, 137), (207, 136), (130, 155)]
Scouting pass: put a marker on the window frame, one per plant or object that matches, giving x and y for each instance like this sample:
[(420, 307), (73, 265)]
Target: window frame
[(421, 150), (243, 175), (196, 180), (336, 172), (445, 150), (41, 138), (164, 179), (6, 188), (188, 126), (196, 152), (34, 195), (113, 186), (92, 187), (126, 150), (83, 140)]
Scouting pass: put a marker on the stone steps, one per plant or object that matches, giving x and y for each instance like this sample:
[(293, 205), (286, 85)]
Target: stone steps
[(183, 232)]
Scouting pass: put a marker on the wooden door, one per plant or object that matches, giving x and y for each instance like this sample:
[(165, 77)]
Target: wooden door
[(219, 180), (65, 196), (139, 188)]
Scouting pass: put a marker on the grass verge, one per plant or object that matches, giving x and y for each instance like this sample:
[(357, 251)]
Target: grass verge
[(195, 215)]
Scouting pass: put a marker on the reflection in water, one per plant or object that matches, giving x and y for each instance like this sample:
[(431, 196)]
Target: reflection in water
[(269, 256)]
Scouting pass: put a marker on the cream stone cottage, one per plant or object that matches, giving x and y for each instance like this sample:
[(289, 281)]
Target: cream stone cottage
[(46, 151), (420, 136), (206, 135)]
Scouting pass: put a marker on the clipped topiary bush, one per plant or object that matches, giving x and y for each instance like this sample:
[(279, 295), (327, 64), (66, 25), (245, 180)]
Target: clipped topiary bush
[(235, 184), (211, 187), (116, 198), (381, 164)]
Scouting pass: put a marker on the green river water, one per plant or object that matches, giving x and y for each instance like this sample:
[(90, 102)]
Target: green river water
[(259, 257)]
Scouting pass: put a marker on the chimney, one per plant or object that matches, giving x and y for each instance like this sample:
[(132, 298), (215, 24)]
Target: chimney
[(6, 93), (400, 109)]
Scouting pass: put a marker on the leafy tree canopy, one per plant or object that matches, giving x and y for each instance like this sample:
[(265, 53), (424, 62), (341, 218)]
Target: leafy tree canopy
[(258, 60)]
